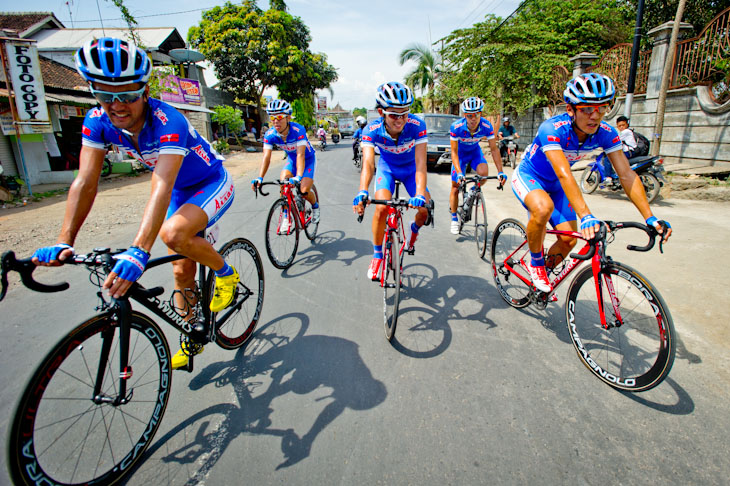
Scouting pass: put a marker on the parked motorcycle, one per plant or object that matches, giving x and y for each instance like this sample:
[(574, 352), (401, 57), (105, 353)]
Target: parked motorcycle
[(649, 169), (509, 157)]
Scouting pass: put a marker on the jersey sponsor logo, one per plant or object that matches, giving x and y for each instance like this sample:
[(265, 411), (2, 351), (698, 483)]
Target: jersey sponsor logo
[(615, 140), (221, 200), (86, 131), (561, 123), (422, 133), (375, 125), (606, 127), (301, 137), (533, 149), (458, 124), (415, 121), (401, 149), (161, 116), (367, 137), (198, 149), (553, 138), (170, 137), (96, 113)]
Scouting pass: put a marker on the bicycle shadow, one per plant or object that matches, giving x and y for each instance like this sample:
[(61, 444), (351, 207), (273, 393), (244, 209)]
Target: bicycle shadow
[(329, 246), (424, 330), (278, 365)]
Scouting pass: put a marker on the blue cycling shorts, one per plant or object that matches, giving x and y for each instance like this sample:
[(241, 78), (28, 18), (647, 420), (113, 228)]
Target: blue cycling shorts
[(473, 160), (523, 181), (291, 166), (385, 178), (214, 196)]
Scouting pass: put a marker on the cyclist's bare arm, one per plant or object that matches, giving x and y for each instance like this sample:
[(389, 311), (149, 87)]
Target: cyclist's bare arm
[(496, 157), (561, 166), (81, 196), (368, 169), (421, 170), (455, 156), (632, 185), (301, 159), (264, 164), (162, 182)]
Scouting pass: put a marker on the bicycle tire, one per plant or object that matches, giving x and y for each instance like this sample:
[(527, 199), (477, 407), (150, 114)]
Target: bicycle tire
[(310, 228), (634, 356), (480, 225), (509, 246), (235, 329), (106, 168), (512, 158), (391, 285), (589, 180), (651, 186), (281, 246), (59, 435)]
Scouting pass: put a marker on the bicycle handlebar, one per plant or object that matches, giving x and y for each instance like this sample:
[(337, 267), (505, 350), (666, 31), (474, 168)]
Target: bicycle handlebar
[(396, 203), (613, 226), (277, 182), (478, 178)]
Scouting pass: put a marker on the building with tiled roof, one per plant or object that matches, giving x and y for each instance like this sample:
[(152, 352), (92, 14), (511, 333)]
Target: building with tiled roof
[(27, 24)]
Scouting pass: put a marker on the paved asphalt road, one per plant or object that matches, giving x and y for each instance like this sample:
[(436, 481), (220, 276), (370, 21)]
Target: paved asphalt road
[(472, 392)]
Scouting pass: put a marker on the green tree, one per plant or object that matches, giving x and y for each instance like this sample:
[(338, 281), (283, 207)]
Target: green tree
[(360, 112), (698, 13), (253, 49), (303, 111), (423, 76), (230, 117), (509, 63)]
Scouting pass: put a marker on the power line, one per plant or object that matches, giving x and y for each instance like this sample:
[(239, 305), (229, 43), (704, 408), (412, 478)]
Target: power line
[(147, 16), (470, 13)]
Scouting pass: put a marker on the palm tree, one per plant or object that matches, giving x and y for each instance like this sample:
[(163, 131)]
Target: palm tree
[(428, 66)]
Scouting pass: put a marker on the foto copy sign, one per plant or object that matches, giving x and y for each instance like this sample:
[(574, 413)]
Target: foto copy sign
[(25, 73)]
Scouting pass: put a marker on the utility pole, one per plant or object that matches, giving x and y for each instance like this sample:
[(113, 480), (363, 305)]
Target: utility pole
[(634, 60), (668, 64)]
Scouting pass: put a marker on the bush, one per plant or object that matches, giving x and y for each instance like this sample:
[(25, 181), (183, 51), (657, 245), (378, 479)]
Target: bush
[(222, 147)]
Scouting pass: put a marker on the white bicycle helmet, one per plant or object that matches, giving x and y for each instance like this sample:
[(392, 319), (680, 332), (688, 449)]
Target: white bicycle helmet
[(112, 61), (361, 121), (394, 95), (472, 105), (275, 107), (589, 89)]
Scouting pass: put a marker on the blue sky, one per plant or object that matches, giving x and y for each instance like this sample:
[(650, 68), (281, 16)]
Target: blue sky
[(361, 39)]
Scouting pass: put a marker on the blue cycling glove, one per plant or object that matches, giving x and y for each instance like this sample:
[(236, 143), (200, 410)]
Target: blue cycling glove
[(417, 202), (502, 176), (361, 198), (588, 221), (48, 254), (131, 263), (459, 177), (257, 182), (654, 222), (295, 179)]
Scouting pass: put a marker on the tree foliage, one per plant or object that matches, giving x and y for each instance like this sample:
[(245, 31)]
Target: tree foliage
[(303, 111), (698, 13), (509, 64), (253, 49), (428, 66), (230, 117), (360, 112)]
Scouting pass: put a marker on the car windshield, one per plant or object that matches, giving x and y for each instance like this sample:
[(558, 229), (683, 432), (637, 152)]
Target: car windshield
[(439, 124)]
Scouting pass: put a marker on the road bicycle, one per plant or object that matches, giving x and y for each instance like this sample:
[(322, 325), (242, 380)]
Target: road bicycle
[(93, 405), (618, 322), (289, 214), (472, 200), (357, 162), (394, 249)]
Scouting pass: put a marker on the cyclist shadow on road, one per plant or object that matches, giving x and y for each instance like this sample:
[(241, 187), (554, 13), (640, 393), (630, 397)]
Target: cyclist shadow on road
[(328, 246), (315, 377), (423, 329)]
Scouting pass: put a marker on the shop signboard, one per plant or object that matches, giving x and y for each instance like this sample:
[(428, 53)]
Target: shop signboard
[(180, 90), (25, 74)]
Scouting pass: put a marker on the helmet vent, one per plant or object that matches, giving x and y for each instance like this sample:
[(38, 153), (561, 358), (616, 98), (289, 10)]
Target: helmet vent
[(109, 59)]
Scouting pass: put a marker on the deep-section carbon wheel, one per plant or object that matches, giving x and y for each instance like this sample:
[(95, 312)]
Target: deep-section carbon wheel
[(636, 350), (282, 235), (310, 227), (510, 251), (62, 434), (391, 285), (479, 219), (237, 322)]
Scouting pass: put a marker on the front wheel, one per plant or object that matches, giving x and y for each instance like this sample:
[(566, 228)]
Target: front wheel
[(589, 180), (310, 227), (510, 257), (636, 349), (480, 224), (236, 323), (391, 284), (62, 434), (651, 186), (282, 235), (513, 158)]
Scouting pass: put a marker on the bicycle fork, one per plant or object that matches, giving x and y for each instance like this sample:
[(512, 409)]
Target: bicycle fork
[(604, 279), (122, 315)]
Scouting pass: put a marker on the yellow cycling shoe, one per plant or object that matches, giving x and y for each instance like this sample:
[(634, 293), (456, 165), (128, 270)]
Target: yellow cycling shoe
[(224, 290), (181, 358)]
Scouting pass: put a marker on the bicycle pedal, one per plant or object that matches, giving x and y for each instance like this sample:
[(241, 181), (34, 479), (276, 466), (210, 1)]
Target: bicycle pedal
[(411, 250)]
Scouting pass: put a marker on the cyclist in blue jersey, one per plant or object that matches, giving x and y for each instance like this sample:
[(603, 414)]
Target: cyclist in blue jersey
[(401, 138), (466, 152), (545, 185), (357, 136), (301, 163), (190, 189)]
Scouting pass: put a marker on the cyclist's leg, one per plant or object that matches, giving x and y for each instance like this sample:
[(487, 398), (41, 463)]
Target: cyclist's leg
[(482, 167), (454, 194), (307, 181), (562, 219), (409, 181), (384, 186)]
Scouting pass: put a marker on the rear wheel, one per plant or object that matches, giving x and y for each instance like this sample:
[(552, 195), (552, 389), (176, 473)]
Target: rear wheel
[(651, 186), (282, 235), (391, 284), (63, 434), (237, 322), (510, 255), (589, 180), (310, 227), (480, 224), (636, 351)]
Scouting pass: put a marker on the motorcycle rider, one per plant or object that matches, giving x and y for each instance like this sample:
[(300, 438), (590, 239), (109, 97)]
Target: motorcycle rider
[(357, 136), (506, 130), (322, 135)]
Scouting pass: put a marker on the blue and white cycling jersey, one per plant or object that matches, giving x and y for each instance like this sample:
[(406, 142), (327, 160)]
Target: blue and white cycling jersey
[(397, 154), (357, 135), (557, 133), (468, 142), (296, 137), (166, 131)]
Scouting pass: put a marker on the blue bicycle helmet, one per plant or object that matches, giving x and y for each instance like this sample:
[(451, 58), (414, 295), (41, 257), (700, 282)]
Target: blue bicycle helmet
[(394, 95), (112, 61), (472, 105), (589, 89), (276, 107)]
